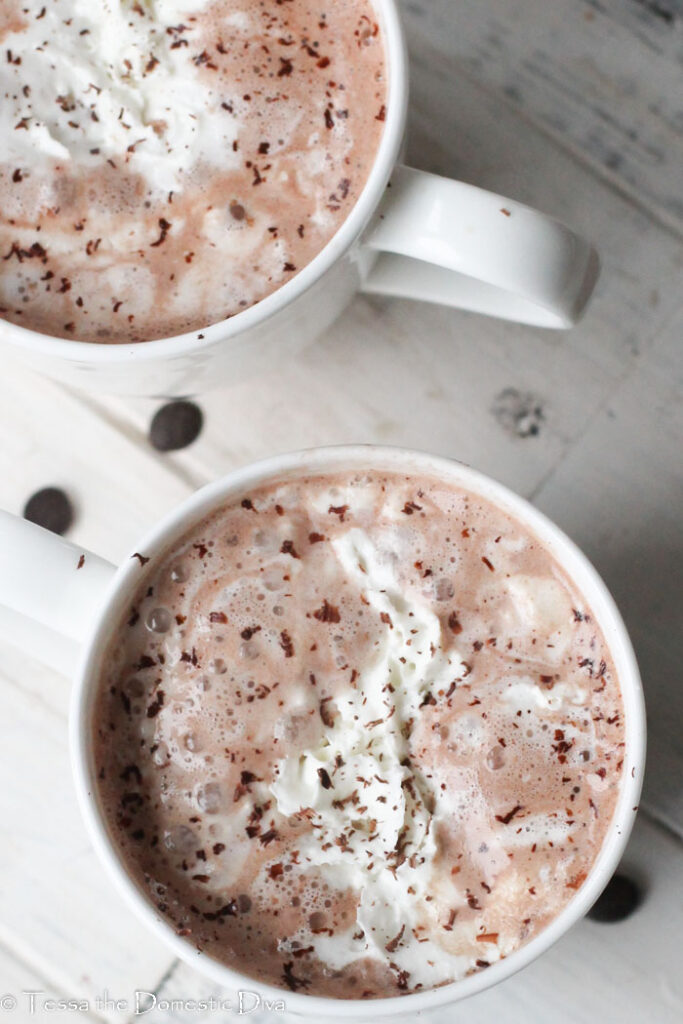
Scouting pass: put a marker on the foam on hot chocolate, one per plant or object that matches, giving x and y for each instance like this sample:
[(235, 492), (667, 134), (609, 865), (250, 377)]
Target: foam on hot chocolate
[(359, 735), (168, 163)]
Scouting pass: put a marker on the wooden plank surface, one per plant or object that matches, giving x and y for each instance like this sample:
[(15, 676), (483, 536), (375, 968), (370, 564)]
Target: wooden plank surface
[(601, 76), (573, 106), (25, 996), (50, 437)]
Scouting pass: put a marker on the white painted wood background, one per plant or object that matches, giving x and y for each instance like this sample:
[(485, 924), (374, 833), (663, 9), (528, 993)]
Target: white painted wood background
[(575, 106)]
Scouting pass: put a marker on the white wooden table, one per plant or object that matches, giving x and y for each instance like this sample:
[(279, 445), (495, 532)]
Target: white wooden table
[(575, 106)]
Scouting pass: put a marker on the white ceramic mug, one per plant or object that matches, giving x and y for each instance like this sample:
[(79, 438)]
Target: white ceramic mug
[(62, 604), (426, 238)]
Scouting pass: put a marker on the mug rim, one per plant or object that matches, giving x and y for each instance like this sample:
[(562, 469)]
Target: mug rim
[(386, 158), (322, 460)]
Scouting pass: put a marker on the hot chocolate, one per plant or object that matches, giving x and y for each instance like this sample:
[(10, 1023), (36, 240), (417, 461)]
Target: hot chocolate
[(359, 735), (165, 165)]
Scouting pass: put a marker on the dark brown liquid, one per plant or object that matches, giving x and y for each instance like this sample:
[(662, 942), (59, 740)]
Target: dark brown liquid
[(359, 735)]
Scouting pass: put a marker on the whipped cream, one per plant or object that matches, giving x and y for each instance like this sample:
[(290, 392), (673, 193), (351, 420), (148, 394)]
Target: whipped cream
[(372, 812), (113, 79)]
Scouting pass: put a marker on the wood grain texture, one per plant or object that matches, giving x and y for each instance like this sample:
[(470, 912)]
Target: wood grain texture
[(49, 437), (573, 106), (603, 77), (34, 997)]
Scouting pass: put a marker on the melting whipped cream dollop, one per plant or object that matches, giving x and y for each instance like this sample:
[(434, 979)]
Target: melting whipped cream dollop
[(372, 812), (91, 79)]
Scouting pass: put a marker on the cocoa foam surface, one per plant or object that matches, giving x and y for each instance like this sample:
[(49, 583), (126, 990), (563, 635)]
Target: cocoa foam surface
[(163, 173), (294, 636)]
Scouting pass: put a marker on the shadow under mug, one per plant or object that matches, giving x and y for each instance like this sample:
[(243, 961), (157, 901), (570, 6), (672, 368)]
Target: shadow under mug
[(62, 604), (425, 237)]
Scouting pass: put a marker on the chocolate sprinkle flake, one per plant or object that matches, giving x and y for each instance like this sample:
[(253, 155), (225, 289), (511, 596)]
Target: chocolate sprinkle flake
[(401, 978), (287, 644), (290, 978), (247, 633), (50, 508), (325, 780), (454, 623), (164, 228), (35, 252), (328, 613), (505, 819), (227, 910), (156, 705), (175, 425), (289, 549), (392, 946), (326, 714)]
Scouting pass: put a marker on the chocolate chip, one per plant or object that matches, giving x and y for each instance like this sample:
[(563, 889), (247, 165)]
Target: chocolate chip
[(619, 900), (50, 508), (175, 425)]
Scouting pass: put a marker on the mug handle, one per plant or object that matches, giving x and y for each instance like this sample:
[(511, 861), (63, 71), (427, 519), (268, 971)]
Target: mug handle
[(444, 241), (50, 592)]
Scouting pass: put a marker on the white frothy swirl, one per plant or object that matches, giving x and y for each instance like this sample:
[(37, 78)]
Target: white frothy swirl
[(372, 812), (86, 81)]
